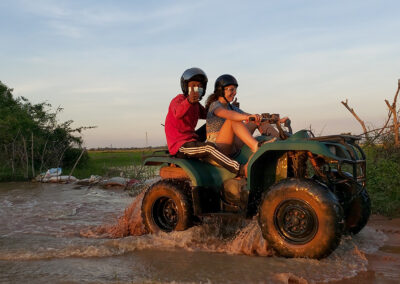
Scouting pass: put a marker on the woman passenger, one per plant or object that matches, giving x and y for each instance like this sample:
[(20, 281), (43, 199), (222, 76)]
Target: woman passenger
[(225, 121)]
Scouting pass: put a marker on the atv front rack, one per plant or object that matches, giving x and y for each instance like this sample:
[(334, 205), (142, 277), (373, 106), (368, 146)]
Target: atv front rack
[(358, 171), (355, 162)]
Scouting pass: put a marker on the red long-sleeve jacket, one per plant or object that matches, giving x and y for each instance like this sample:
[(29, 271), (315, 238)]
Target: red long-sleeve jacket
[(181, 122)]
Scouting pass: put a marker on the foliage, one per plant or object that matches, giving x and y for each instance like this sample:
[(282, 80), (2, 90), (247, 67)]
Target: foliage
[(383, 179), (31, 138)]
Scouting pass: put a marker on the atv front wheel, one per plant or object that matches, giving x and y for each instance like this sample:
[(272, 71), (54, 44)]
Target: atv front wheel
[(166, 207), (301, 218), (358, 212)]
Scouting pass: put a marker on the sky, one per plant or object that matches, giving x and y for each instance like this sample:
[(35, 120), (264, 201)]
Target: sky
[(117, 64)]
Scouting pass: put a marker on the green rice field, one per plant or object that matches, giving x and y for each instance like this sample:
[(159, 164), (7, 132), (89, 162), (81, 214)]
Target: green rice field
[(126, 163)]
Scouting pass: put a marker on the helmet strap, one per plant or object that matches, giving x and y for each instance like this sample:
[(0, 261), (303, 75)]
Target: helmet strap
[(229, 105)]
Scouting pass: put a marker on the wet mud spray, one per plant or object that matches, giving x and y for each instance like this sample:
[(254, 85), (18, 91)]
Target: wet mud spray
[(129, 224), (217, 235)]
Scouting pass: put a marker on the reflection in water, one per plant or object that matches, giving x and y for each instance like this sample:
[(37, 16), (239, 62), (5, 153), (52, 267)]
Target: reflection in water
[(54, 233)]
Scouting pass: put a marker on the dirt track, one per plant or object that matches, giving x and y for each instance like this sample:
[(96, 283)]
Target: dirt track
[(384, 264)]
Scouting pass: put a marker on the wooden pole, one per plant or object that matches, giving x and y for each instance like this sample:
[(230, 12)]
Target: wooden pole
[(76, 163), (42, 156), (26, 157), (33, 164), (13, 157)]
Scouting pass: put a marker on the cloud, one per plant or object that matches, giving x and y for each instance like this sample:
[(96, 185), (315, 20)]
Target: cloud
[(67, 30), (72, 18), (100, 90)]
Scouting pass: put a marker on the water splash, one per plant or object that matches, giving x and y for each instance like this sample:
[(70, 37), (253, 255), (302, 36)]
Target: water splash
[(129, 224), (222, 236), (232, 236), (249, 241)]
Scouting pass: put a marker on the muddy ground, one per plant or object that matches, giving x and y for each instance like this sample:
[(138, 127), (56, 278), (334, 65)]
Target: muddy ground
[(384, 264)]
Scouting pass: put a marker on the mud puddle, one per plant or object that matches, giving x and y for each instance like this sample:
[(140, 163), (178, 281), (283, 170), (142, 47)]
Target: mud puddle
[(54, 233)]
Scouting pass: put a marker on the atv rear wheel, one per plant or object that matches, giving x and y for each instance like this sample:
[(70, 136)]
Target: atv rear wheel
[(301, 218), (166, 207)]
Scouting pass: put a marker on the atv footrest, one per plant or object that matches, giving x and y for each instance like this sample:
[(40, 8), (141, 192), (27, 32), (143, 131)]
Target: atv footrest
[(223, 215)]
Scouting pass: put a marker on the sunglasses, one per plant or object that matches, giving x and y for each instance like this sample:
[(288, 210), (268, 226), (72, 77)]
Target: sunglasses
[(230, 89)]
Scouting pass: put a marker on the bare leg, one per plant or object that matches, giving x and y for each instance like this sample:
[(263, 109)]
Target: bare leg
[(226, 136), (251, 126)]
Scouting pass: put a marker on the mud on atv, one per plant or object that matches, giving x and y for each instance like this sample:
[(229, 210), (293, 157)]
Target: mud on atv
[(305, 191)]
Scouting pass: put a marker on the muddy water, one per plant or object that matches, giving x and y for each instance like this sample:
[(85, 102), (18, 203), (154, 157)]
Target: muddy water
[(59, 234)]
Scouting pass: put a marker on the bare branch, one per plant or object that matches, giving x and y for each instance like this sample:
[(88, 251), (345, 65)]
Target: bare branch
[(382, 128), (393, 109), (389, 105), (358, 119)]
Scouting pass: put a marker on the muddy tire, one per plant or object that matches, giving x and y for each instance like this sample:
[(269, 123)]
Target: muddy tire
[(167, 207), (301, 218), (357, 213)]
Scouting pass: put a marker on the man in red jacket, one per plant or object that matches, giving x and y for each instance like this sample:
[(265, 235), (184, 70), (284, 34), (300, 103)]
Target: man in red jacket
[(183, 114)]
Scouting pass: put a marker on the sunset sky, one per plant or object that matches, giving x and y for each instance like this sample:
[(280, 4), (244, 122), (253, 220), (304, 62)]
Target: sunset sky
[(117, 64)]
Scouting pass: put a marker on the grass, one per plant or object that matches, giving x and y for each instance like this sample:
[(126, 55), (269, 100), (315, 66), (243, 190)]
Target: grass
[(7, 175), (126, 163)]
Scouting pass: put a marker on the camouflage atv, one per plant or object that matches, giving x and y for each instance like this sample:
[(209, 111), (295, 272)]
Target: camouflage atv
[(305, 191)]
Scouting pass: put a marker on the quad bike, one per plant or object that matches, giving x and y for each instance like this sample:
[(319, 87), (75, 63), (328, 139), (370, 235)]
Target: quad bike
[(305, 191)]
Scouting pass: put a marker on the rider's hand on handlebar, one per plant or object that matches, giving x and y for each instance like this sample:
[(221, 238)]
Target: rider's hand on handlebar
[(283, 119), (256, 118)]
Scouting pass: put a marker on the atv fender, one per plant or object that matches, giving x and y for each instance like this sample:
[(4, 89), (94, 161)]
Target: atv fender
[(200, 173), (297, 142)]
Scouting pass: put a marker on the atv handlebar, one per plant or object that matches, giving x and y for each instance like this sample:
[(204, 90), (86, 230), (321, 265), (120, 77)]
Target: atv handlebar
[(270, 118), (274, 119)]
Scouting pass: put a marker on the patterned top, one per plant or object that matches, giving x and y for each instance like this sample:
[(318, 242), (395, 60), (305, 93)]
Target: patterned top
[(214, 123)]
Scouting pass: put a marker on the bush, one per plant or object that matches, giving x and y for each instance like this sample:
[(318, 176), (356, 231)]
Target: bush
[(383, 179)]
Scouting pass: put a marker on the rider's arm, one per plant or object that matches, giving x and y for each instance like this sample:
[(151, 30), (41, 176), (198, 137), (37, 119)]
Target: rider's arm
[(239, 110), (180, 107), (230, 114)]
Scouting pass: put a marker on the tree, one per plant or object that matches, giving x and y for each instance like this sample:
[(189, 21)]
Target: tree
[(31, 136)]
